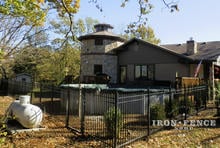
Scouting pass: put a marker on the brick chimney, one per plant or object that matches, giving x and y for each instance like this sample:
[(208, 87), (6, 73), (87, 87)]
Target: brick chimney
[(191, 47)]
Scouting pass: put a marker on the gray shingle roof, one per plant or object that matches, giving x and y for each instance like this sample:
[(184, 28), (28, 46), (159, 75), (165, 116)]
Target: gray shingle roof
[(206, 50), (101, 34)]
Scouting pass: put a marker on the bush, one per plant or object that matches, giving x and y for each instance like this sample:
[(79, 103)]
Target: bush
[(217, 90), (217, 93), (171, 109), (185, 106), (157, 112), (3, 133), (109, 118)]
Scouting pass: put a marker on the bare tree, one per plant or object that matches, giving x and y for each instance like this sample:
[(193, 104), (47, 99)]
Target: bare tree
[(14, 35)]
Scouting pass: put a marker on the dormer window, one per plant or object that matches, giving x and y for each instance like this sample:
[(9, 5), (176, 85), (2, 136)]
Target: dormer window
[(98, 41)]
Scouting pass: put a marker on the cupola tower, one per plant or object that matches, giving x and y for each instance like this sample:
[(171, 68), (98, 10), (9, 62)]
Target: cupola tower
[(97, 56)]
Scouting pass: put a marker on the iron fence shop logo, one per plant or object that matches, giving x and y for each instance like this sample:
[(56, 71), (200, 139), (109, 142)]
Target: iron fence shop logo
[(184, 124)]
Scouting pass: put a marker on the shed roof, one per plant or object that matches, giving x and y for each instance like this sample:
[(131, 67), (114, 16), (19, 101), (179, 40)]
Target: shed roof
[(23, 74)]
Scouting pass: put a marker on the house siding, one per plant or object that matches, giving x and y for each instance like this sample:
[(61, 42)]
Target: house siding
[(142, 54), (166, 64), (170, 71), (90, 47), (92, 54), (193, 69)]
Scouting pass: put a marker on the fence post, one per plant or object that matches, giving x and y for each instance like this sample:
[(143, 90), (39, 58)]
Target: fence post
[(82, 112), (40, 92), (185, 103), (68, 106), (144, 104), (170, 105), (80, 101), (198, 103), (148, 111), (52, 92), (116, 118), (206, 95), (52, 96), (7, 87)]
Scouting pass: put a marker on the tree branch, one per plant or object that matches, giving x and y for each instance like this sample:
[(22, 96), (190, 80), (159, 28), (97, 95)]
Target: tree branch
[(172, 5), (71, 24)]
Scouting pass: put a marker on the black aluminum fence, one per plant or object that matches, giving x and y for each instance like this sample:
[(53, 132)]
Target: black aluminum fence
[(10, 87), (45, 95), (115, 117), (48, 97), (119, 117)]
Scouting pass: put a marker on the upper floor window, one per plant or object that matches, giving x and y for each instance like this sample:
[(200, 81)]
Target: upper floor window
[(98, 41)]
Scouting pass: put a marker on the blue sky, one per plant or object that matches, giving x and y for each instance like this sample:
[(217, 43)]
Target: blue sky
[(197, 19)]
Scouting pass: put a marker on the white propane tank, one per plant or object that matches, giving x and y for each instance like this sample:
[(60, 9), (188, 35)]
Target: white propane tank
[(28, 115)]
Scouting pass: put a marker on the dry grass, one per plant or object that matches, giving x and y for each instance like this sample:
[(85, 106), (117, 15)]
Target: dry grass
[(197, 137)]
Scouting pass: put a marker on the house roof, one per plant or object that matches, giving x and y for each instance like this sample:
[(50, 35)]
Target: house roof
[(205, 50), (102, 34), (170, 51)]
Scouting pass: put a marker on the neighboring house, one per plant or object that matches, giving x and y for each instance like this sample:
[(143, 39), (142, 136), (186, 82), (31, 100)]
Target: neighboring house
[(23, 77), (139, 62)]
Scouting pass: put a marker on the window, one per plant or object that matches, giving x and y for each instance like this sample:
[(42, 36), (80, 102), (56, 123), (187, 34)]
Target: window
[(137, 72), (151, 72), (23, 79), (140, 71), (123, 74), (144, 72), (98, 41), (97, 69)]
